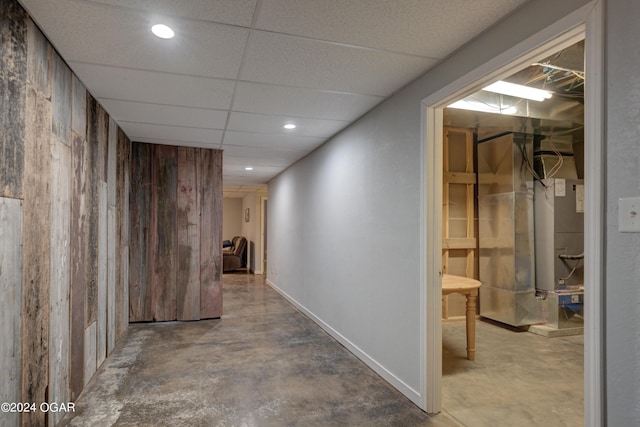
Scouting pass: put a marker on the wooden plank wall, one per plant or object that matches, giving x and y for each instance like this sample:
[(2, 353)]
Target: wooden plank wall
[(64, 238), (176, 262), (13, 78)]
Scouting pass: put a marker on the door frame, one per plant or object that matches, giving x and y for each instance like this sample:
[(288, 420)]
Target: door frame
[(586, 23)]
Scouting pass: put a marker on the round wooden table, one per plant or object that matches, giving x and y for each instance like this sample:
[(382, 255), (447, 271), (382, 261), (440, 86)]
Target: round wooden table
[(469, 288)]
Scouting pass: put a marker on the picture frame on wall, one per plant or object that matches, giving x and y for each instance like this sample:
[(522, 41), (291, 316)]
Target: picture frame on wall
[(246, 215)]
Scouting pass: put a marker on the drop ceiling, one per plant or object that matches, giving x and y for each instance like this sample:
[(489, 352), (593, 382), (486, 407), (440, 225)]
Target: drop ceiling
[(238, 70)]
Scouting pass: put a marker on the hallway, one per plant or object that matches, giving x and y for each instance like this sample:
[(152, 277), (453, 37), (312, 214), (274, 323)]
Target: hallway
[(263, 364), (266, 364)]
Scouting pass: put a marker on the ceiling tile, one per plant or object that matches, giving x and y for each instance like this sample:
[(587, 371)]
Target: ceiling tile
[(287, 142), (152, 87), (301, 102), (431, 28), (295, 61), (146, 132), (235, 174), (126, 39), (236, 12), (164, 114), (263, 123), (235, 154)]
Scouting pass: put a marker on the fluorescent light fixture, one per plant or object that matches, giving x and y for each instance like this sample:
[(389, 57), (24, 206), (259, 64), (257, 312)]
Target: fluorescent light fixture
[(163, 31), (248, 168), (289, 126), (470, 104), (518, 91)]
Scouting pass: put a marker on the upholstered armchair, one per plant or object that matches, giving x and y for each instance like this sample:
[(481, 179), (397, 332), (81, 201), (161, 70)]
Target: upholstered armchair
[(234, 257)]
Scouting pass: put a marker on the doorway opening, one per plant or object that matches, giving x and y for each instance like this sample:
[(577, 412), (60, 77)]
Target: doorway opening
[(513, 215), (581, 25)]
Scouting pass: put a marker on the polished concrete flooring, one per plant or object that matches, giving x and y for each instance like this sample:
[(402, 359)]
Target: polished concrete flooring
[(265, 364)]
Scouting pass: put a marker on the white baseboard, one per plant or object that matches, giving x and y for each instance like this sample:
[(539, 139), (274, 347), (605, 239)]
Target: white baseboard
[(388, 376)]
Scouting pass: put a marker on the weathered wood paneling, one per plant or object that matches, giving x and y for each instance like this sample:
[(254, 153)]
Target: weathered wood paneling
[(36, 248), (140, 218), (95, 173), (210, 233), (188, 224), (122, 236), (39, 53), (61, 100), (79, 242), (90, 366), (13, 78), (101, 331), (59, 334), (78, 107), (111, 279), (183, 245), (62, 249), (164, 243), (112, 158), (10, 305)]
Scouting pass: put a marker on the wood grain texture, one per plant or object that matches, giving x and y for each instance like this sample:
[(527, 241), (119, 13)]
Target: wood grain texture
[(122, 236), (39, 59), (188, 225), (59, 334), (79, 242), (10, 305), (140, 218), (13, 78), (101, 328), (112, 275), (112, 158), (61, 100), (36, 248), (164, 243), (78, 107), (210, 233), (96, 147), (90, 352)]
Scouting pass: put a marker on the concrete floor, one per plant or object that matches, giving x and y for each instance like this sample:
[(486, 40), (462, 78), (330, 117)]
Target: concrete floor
[(265, 364), (517, 378)]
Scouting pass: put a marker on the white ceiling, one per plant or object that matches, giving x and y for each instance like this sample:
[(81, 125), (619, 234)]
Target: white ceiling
[(238, 70)]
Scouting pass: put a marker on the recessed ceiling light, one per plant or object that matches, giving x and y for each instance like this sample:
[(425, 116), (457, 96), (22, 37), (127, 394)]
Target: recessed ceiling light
[(163, 31), (289, 126), (248, 168)]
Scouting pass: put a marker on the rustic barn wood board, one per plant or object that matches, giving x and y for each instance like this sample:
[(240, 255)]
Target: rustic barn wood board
[(122, 217), (111, 279), (78, 107), (36, 246), (125, 235), (10, 304), (90, 366), (96, 148), (140, 218), (101, 328), (188, 223), (59, 333), (39, 53), (79, 239), (112, 158), (210, 233), (13, 63), (61, 100), (163, 249)]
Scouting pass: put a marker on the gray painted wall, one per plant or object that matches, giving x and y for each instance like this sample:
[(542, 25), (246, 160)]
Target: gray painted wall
[(345, 222), (622, 342)]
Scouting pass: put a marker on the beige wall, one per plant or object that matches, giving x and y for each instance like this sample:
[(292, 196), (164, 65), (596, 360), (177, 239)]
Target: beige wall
[(232, 217)]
